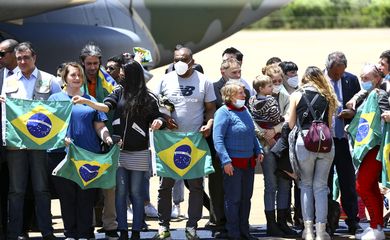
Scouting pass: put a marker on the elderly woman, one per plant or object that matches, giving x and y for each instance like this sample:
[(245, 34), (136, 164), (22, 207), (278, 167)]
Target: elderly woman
[(314, 167), (238, 149), (370, 168), (86, 127)]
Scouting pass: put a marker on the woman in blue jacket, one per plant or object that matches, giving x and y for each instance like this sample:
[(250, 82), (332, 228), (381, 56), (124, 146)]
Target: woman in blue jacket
[(238, 149)]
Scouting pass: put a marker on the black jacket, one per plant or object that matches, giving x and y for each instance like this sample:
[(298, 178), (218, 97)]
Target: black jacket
[(134, 131)]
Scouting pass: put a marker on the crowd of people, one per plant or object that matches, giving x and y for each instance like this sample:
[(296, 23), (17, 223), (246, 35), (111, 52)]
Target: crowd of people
[(265, 121)]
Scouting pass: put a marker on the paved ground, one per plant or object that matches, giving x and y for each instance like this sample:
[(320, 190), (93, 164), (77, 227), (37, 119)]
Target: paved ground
[(304, 47)]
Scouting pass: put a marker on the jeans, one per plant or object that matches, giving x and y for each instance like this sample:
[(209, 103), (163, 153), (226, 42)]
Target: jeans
[(21, 164), (238, 193), (195, 201), (178, 192), (314, 168), (130, 183), (275, 187)]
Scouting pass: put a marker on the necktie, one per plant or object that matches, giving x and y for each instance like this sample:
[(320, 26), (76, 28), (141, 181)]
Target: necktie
[(10, 72), (339, 122)]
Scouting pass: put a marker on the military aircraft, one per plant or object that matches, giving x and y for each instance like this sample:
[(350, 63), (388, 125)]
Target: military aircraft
[(59, 29)]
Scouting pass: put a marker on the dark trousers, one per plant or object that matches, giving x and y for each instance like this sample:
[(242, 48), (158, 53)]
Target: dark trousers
[(76, 204), (21, 163), (347, 179), (3, 197), (217, 212), (238, 194)]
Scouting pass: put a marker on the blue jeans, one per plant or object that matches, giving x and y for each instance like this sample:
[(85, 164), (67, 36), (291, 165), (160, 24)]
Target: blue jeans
[(314, 168), (21, 164), (238, 193), (275, 187), (130, 183)]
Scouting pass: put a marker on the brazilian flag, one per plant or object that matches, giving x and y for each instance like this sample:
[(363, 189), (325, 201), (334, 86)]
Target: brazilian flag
[(365, 128), (36, 124), (88, 169), (181, 155), (384, 155)]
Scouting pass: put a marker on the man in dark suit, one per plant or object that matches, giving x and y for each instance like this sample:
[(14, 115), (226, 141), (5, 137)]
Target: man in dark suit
[(8, 67), (345, 85)]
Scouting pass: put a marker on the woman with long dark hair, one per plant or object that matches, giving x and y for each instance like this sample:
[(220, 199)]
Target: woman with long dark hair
[(136, 109)]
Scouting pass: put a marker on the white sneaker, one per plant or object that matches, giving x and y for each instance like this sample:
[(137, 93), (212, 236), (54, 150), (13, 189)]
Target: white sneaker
[(373, 234), (129, 213), (359, 235), (151, 211), (175, 211)]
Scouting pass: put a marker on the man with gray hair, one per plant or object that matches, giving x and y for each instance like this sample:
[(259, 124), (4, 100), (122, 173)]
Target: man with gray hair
[(345, 86), (34, 84)]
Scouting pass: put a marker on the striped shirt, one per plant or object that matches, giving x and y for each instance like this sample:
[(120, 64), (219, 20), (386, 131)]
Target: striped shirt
[(135, 160)]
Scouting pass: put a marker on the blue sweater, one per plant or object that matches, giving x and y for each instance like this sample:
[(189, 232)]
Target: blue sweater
[(234, 135)]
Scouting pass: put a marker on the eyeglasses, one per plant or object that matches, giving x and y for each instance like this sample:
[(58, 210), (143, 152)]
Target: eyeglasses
[(2, 54)]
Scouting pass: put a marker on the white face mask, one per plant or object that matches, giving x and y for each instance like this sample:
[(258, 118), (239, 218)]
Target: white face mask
[(276, 89), (239, 103), (293, 82), (234, 79), (181, 68)]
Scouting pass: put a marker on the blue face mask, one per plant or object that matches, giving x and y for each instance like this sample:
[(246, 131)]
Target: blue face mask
[(367, 85)]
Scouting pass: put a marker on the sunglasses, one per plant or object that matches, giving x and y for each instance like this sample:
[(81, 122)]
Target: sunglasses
[(2, 54), (111, 68)]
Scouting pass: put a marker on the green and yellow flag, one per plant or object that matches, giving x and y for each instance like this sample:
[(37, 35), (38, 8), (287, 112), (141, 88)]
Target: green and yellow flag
[(181, 155), (384, 155), (365, 128), (88, 169), (36, 124)]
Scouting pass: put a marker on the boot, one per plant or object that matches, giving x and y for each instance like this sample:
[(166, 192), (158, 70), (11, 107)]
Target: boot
[(135, 235), (321, 233), (308, 233), (124, 235), (272, 227), (282, 223)]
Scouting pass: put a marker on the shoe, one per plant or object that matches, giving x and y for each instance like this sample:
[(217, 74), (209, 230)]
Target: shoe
[(372, 234), (221, 235), (24, 236), (175, 211), (129, 213), (248, 237), (321, 233), (135, 235), (282, 223), (111, 234), (162, 234), (272, 227), (308, 233), (151, 211), (191, 234), (124, 235), (144, 227), (50, 237), (70, 238)]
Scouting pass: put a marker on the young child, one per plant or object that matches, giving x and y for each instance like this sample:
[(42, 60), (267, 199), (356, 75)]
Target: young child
[(264, 107)]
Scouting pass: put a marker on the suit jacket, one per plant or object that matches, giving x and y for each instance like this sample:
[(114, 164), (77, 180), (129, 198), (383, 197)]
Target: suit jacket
[(350, 86)]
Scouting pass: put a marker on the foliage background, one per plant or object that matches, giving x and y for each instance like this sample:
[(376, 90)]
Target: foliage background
[(308, 14)]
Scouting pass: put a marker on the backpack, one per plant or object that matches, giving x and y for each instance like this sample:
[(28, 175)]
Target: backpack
[(319, 138)]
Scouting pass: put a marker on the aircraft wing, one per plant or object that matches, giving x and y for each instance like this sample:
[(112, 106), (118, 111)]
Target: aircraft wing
[(19, 9)]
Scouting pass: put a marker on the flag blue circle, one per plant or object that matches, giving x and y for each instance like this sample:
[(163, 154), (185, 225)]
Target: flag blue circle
[(182, 156), (362, 130), (88, 172), (39, 125)]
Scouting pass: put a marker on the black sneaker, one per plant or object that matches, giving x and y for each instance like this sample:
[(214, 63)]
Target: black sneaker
[(111, 234), (50, 237)]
